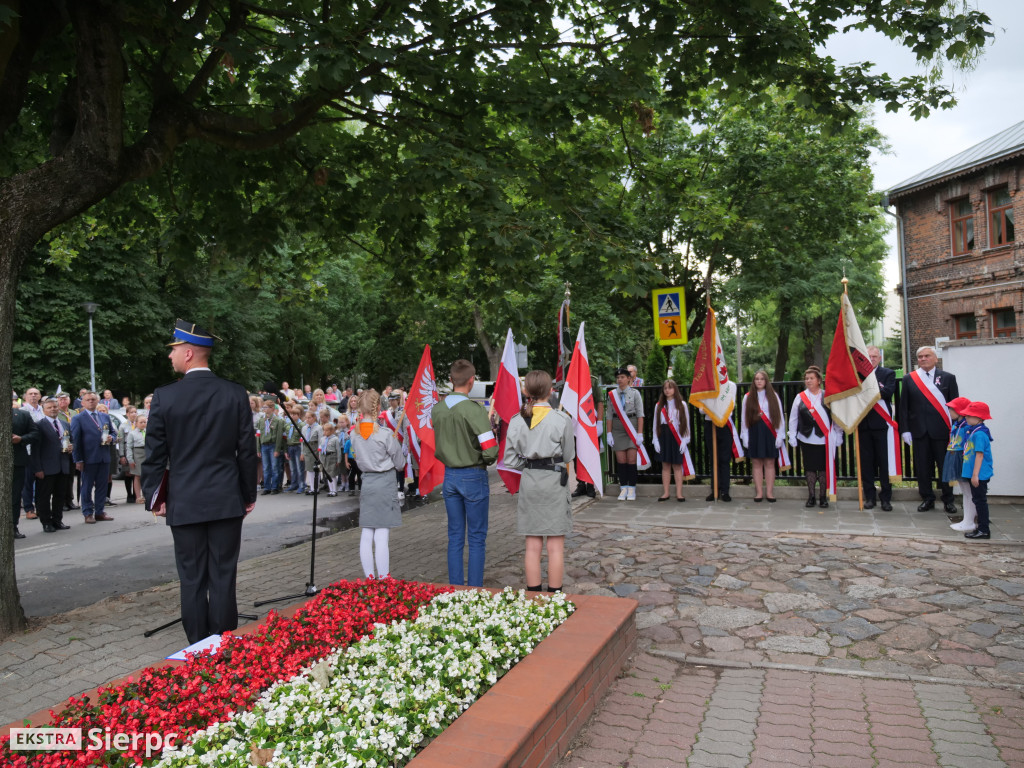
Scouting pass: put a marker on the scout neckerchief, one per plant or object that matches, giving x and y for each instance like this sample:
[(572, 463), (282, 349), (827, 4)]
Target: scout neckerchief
[(826, 429), (784, 462), (661, 416), (643, 461), (892, 444), (932, 395)]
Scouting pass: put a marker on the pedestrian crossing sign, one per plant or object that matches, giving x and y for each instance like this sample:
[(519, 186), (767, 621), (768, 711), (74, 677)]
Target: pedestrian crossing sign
[(669, 307)]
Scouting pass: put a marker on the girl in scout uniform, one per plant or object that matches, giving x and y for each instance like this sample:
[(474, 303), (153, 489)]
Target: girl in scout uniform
[(135, 450), (540, 442), (313, 434), (330, 455), (632, 405)]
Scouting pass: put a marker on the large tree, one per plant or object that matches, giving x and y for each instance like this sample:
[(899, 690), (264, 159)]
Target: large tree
[(97, 94)]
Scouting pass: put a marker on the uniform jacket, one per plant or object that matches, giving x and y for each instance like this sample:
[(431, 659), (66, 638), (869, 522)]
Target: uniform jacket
[(86, 433), (886, 379), (26, 428), (917, 415), (48, 455), (200, 430)]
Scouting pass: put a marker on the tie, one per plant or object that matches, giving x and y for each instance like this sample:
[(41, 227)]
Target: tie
[(56, 428)]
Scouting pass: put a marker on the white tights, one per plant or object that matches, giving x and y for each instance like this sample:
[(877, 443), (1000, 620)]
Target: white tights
[(970, 513), (374, 545)]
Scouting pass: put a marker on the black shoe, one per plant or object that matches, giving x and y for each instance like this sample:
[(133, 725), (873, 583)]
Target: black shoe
[(811, 503), (886, 506), (49, 529), (110, 503), (67, 508), (710, 497), (977, 535), (725, 497), (950, 508), (72, 505), (924, 506), (869, 505), (663, 498), (823, 504), (276, 491), (591, 492), (18, 534), (581, 490), (758, 499), (62, 527), (770, 500), (266, 492)]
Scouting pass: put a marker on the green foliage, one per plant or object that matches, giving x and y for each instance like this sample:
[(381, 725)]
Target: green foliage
[(657, 366)]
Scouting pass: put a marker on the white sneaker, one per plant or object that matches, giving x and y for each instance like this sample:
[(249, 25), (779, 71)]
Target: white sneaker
[(624, 493), (632, 493), (963, 526)]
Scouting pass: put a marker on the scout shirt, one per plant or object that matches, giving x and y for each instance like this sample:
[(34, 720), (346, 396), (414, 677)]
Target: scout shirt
[(271, 433), (462, 433)]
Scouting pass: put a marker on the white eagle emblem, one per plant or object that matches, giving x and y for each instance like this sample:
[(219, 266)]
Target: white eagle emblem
[(428, 397)]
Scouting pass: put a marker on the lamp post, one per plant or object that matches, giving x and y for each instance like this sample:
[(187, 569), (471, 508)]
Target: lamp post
[(90, 307)]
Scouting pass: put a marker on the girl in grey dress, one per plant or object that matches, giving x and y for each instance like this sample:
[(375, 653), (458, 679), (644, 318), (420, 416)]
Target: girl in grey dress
[(632, 405), (540, 443), (379, 454)]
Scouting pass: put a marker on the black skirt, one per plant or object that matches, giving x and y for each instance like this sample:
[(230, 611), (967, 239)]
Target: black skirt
[(814, 457), (669, 453), (760, 443)]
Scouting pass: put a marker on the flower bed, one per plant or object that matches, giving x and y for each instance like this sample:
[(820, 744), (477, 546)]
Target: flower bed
[(209, 688), (378, 701)]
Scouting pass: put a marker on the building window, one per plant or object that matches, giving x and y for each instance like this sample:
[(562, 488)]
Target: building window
[(1004, 323), (966, 326), (962, 217), (1000, 217)]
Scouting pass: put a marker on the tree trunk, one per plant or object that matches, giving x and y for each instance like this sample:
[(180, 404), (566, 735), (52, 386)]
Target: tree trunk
[(817, 339), (492, 352), (782, 344)]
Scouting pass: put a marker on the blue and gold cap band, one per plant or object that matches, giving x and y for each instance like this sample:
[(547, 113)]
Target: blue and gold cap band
[(190, 333)]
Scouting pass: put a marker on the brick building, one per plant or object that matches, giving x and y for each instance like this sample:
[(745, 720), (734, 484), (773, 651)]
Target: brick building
[(963, 260)]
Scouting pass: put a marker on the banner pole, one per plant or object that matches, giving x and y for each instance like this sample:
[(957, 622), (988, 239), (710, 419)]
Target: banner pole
[(860, 484), (714, 458)]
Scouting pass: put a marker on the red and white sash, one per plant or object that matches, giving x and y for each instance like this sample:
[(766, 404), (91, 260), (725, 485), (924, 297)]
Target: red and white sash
[(643, 461), (892, 442), (933, 396), (390, 423), (784, 462), (737, 443), (821, 419), (661, 417)]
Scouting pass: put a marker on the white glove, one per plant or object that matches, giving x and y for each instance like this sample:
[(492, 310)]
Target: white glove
[(792, 442), (779, 441), (746, 441), (908, 438), (600, 428), (657, 444), (611, 440)]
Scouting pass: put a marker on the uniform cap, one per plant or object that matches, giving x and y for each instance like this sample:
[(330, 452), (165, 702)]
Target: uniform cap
[(190, 333)]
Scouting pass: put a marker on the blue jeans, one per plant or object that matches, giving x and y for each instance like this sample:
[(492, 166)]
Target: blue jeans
[(467, 501), (94, 487), (298, 478), (271, 469)]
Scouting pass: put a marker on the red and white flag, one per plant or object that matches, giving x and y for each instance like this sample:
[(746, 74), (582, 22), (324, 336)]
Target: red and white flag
[(851, 389), (578, 402), (563, 343), (421, 402), (508, 400), (712, 392)]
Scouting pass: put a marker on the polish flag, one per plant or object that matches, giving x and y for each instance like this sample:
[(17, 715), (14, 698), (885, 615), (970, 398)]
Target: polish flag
[(508, 399), (578, 402), (851, 389), (421, 402)]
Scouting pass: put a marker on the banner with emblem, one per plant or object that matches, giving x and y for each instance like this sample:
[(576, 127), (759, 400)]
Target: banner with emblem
[(508, 400), (712, 392), (578, 402), (851, 389), (421, 402)]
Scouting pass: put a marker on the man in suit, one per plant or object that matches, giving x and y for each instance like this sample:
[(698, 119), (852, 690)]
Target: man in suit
[(200, 431), (51, 464), (66, 413), (925, 423), (24, 434), (872, 434), (92, 433)]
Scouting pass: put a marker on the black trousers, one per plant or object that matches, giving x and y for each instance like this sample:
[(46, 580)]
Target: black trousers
[(207, 558), (929, 453), (50, 499), (17, 485), (874, 463), (724, 455)]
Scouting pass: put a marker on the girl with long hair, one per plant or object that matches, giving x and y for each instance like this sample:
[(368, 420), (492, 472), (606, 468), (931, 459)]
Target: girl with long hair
[(671, 434), (762, 431)]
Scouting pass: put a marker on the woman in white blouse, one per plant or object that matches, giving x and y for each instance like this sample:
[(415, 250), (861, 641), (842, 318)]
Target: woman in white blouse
[(804, 428), (671, 434), (762, 431)]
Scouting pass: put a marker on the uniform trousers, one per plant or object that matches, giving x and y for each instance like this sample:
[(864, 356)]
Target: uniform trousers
[(207, 558), (929, 454), (874, 462), (50, 499), (724, 456)]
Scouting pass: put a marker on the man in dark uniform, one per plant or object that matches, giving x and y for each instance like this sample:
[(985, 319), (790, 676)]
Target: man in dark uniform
[(925, 423), (51, 463), (200, 431), (872, 434), (24, 433)]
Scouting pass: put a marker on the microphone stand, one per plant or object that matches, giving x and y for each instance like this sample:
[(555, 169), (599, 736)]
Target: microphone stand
[(311, 588)]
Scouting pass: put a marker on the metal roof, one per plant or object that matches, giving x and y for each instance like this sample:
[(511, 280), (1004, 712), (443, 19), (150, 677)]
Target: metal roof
[(999, 147)]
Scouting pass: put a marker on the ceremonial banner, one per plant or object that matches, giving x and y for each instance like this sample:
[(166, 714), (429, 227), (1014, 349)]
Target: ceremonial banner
[(422, 400), (712, 392), (508, 400), (851, 389), (563, 343), (578, 402)]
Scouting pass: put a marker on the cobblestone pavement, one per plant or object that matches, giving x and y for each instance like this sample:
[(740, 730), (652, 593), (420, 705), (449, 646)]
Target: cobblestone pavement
[(756, 648)]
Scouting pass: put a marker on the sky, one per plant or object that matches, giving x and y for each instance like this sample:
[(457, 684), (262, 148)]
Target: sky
[(988, 101)]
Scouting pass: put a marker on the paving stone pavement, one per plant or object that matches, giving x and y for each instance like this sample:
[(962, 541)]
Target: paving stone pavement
[(756, 648)]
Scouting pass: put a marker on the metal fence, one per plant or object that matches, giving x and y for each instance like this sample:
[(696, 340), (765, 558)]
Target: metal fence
[(846, 467)]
